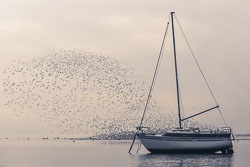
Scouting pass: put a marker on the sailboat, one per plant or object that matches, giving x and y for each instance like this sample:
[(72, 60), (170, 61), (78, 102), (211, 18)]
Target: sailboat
[(180, 139)]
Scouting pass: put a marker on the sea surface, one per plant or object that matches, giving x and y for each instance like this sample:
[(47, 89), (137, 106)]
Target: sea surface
[(108, 153)]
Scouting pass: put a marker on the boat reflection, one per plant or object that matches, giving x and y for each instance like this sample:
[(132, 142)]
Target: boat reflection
[(184, 160)]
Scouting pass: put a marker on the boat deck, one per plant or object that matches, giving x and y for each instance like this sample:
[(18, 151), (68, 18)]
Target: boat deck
[(198, 135)]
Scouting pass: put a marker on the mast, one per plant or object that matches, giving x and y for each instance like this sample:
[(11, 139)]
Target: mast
[(176, 71)]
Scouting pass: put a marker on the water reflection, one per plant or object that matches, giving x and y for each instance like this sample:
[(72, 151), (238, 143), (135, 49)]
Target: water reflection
[(185, 160)]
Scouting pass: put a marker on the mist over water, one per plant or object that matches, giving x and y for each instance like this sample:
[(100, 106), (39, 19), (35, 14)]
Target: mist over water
[(83, 94)]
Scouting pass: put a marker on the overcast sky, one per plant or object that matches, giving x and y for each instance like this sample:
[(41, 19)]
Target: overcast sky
[(132, 29)]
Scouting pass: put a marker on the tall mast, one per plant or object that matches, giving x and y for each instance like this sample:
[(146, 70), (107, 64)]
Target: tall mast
[(176, 72)]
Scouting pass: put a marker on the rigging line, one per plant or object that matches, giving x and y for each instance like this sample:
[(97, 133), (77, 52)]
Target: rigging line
[(222, 117), (155, 73), (139, 147), (159, 64), (182, 106), (196, 61)]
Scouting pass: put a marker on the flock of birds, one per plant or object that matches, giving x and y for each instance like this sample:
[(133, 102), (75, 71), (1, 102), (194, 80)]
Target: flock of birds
[(83, 94)]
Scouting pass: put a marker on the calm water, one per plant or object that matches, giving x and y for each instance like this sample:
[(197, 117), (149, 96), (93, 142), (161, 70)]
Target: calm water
[(37, 153)]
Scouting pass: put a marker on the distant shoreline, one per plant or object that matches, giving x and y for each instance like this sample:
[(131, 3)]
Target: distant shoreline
[(245, 135), (117, 138)]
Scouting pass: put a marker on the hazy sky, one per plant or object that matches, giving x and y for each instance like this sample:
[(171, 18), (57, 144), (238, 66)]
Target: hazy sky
[(133, 29)]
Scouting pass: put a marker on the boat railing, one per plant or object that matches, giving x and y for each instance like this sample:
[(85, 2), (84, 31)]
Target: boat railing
[(226, 129), (142, 127), (221, 130), (140, 130), (184, 130), (197, 130)]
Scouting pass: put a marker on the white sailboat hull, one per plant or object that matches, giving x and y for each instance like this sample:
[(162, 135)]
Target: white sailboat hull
[(155, 143), (184, 139)]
